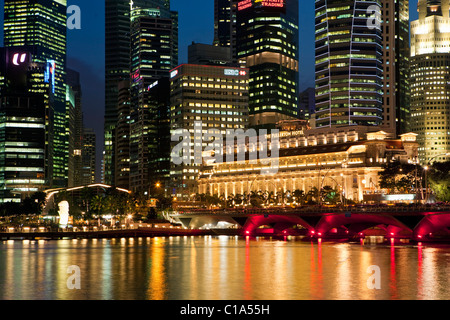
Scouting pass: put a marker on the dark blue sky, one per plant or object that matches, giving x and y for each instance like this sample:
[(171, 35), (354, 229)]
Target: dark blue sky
[(196, 23)]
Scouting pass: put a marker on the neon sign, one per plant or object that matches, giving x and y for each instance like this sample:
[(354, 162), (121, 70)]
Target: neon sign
[(273, 3), (49, 74), (244, 4), (23, 57)]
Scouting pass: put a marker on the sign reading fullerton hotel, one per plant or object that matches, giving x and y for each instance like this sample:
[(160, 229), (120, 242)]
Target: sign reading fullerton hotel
[(260, 3)]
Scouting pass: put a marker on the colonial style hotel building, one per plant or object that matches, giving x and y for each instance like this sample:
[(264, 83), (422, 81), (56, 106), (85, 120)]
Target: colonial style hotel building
[(349, 158)]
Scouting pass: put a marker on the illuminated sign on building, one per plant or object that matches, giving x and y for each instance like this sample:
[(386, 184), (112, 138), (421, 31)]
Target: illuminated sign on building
[(16, 61), (244, 4), (154, 84), (49, 75), (272, 3), (173, 74), (260, 3), (234, 72)]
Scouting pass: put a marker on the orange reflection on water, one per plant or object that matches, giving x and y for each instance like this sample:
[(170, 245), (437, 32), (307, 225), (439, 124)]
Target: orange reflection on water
[(157, 281)]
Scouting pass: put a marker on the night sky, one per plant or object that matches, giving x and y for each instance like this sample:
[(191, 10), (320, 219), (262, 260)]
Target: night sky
[(86, 47)]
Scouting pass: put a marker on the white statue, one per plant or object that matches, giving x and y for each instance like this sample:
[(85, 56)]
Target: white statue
[(63, 213)]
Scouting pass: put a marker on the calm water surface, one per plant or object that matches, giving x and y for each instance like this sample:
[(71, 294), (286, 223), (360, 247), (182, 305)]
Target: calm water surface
[(221, 268)]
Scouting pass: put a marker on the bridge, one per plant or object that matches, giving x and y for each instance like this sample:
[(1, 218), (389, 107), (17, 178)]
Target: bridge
[(417, 223)]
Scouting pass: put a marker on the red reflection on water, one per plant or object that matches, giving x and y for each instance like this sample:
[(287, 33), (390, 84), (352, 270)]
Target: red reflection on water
[(419, 270), (393, 278), (247, 271)]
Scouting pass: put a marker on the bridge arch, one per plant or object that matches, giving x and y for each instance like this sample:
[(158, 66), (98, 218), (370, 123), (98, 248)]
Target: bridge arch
[(280, 223), (431, 224), (356, 223)]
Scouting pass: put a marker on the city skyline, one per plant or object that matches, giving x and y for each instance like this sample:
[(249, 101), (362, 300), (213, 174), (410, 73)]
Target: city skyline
[(85, 50)]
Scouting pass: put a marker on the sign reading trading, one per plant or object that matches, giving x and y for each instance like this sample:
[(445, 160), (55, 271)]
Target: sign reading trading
[(244, 4)]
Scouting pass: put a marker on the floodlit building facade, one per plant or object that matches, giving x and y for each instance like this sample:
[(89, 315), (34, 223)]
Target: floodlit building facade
[(430, 80)]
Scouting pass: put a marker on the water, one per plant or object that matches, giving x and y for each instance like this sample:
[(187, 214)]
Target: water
[(221, 268)]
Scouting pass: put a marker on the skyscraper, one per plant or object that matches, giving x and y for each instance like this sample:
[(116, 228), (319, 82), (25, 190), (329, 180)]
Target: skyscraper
[(41, 26), (267, 43), (222, 23), (88, 150), (74, 127), (430, 80), (396, 57), (117, 64), (26, 140), (122, 159), (348, 64), (216, 97), (154, 52)]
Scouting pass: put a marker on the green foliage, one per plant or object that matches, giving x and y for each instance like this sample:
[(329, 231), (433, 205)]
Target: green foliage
[(439, 180), (398, 177)]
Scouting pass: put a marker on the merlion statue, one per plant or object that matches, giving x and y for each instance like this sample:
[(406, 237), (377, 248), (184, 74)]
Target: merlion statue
[(63, 213)]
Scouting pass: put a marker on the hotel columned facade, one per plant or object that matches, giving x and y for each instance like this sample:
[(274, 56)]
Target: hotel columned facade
[(347, 159)]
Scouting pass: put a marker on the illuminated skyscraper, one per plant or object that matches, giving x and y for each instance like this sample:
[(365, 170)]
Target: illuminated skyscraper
[(222, 23), (154, 52), (430, 80), (396, 58), (348, 64), (117, 64), (213, 97), (26, 126), (41, 26), (267, 44)]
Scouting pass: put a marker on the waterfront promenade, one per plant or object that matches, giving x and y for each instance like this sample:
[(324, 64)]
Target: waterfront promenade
[(101, 234)]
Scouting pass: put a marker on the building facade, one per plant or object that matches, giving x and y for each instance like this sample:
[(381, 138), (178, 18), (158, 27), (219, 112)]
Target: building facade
[(204, 97), (154, 52), (348, 64), (41, 26), (26, 132), (267, 43), (348, 160), (430, 76), (89, 157), (396, 58), (117, 63)]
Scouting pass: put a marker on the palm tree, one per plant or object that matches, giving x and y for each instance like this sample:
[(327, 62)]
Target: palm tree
[(299, 196), (98, 204)]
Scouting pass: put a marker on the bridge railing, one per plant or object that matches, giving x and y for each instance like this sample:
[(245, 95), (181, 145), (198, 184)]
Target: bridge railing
[(319, 209)]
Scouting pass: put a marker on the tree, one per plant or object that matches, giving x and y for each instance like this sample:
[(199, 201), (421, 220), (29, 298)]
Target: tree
[(299, 196), (439, 180), (98, 204), (399, 177)]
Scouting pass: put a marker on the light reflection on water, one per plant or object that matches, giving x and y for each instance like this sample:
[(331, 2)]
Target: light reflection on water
[(221, 268)]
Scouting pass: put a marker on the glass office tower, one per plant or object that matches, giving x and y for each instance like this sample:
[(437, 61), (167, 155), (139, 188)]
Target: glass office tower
[(41, 26), (154, 52), (26, 119), (267, 44), (117, 65), (348, 64), (396, 59)]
